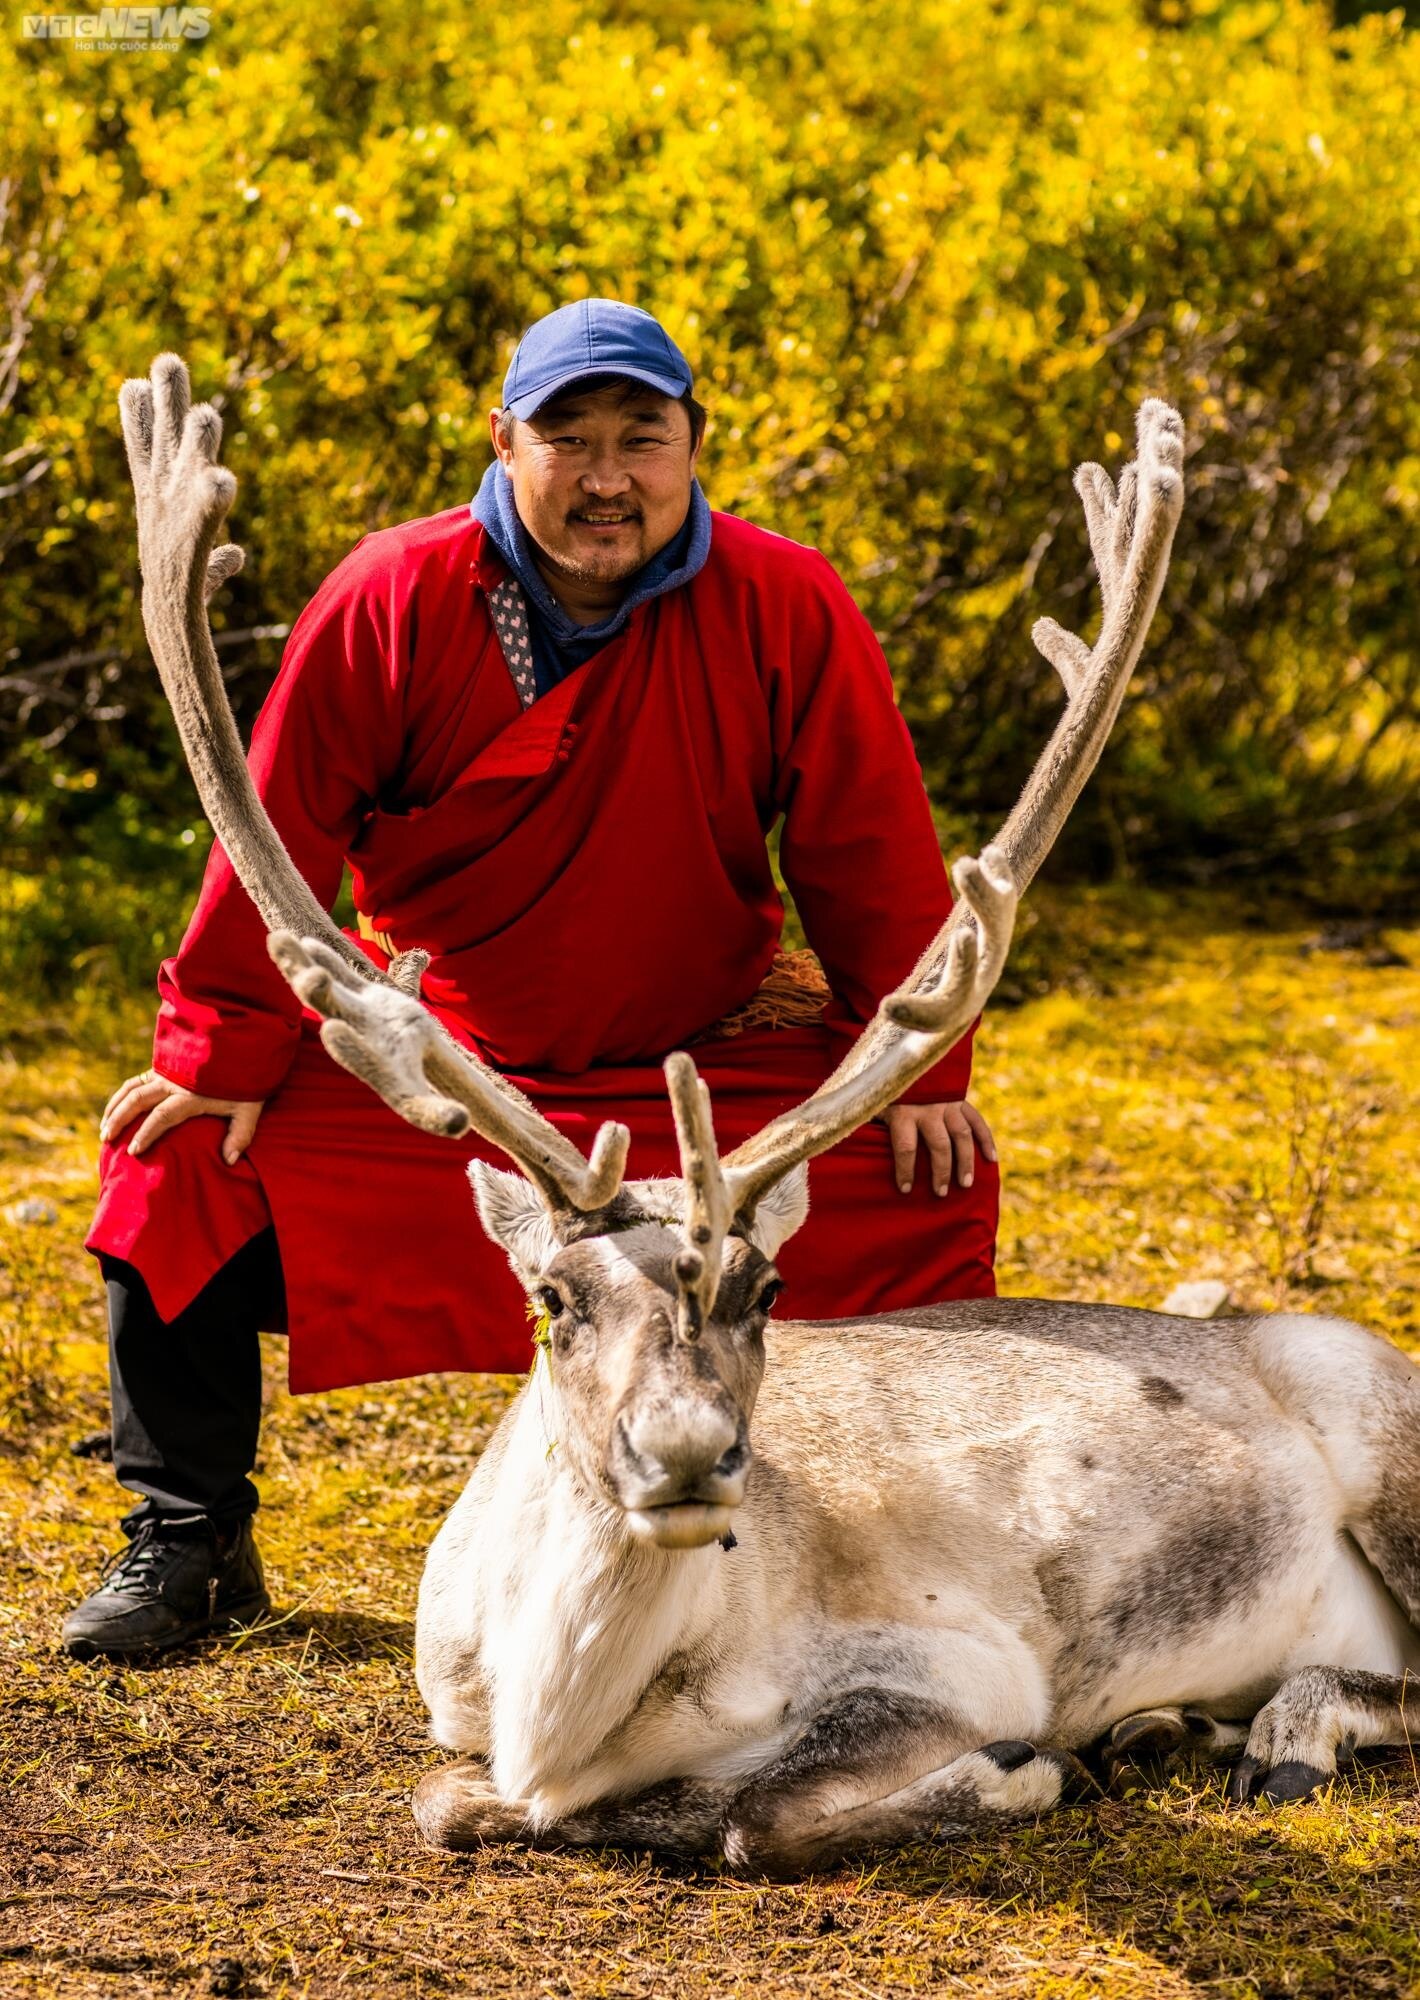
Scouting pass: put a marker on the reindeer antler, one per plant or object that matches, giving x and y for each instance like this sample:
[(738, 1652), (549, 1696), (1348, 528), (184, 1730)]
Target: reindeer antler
[(183, 496), (1131, 533)]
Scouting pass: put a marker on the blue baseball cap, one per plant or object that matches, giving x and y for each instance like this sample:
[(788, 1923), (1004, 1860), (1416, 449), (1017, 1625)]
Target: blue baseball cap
[(592, 337)]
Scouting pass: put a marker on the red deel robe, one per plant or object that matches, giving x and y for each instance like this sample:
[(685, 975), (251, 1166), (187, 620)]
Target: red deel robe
[(591, 878)]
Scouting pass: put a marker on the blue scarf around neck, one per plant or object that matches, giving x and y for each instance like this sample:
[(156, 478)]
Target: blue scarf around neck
[(559, 643)]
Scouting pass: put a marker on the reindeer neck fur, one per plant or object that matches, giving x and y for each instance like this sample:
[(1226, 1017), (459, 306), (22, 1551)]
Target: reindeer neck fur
[(580, 1617)]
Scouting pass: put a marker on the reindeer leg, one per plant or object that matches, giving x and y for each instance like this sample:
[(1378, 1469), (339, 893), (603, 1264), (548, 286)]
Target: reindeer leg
[(458, 1808), (878, 1769), (680, 1817), (1316, 1720)]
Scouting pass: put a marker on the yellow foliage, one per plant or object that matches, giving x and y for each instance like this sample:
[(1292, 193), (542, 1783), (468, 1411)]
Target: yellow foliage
[(923, 261)]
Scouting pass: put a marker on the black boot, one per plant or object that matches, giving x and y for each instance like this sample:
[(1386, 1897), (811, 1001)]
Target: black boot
[(180, 1578)]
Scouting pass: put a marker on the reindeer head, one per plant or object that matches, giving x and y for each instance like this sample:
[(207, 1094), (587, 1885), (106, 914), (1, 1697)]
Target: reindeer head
[(647, 1412), (655, 1293)]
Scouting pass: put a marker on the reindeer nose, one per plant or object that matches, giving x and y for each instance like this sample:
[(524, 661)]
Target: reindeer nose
[(676, 1452)]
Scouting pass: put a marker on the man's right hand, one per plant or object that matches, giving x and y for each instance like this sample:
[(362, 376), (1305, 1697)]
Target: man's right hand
[(162, 1105)]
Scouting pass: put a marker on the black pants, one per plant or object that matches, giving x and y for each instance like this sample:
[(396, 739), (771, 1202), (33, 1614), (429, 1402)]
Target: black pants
[(187, 1393)]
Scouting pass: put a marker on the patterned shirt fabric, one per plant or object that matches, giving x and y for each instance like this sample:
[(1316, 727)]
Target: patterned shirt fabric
[(510, 622)]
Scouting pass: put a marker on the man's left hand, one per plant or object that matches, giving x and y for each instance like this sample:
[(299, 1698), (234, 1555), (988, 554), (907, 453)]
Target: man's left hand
[(950, 1132)]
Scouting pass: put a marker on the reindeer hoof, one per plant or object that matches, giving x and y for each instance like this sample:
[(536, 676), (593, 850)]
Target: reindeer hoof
[(1152, 1733), (1008, 1755), (1280, 1785), (1073, 1780), (1292, 1781), (1147, 1739)]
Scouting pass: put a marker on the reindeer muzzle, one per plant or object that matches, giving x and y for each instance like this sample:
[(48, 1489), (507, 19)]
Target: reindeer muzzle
[(679, 1470)]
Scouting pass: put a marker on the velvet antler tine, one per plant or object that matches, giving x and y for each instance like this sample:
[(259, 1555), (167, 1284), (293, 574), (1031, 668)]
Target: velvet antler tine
[(977, 956), (606, 1168), (1066, 652), (1131, 532), (222, 565), (171, 398), (135, 408), (1097, 497), (397, 1083), (407, 971), (708, 1208)]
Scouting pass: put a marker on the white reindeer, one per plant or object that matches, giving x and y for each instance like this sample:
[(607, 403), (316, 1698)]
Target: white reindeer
[(968, 1540)]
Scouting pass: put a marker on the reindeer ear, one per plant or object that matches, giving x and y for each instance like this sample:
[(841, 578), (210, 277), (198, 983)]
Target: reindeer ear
[(781, 1211), (515, 1216)]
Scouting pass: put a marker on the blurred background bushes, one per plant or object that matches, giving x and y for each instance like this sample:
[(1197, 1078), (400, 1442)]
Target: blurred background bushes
[(923, 261)]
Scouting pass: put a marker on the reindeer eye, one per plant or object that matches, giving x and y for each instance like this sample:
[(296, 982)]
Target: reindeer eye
[(770, 1293), (551, 1301)]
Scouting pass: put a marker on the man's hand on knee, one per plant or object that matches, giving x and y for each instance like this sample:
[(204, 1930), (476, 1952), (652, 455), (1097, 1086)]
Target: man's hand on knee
[(950, 1132), (161, 1105)]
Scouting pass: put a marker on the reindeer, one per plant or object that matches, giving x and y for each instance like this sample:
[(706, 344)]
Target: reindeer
[(967, 1541)]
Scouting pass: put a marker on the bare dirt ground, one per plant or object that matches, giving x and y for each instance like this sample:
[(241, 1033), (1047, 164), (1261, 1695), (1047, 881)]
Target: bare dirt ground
[(1214, 1101)]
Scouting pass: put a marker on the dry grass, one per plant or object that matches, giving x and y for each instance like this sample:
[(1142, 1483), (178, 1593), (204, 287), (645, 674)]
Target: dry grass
[(237, 1821)]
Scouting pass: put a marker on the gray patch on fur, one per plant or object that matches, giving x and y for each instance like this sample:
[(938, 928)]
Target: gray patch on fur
[(1197, 1569), (1059, 1588), (1163, 1394)]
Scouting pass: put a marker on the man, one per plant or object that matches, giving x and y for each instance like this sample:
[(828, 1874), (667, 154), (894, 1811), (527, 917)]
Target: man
[(549, 734)]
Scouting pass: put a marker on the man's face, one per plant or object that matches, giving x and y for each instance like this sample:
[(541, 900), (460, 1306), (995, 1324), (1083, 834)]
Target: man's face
[(601, 476)]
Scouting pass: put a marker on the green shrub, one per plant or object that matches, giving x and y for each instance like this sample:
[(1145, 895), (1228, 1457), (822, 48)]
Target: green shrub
[(924, 260)]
